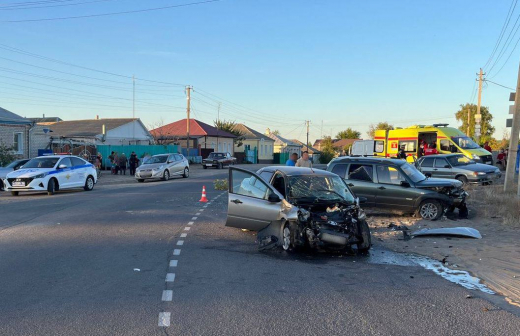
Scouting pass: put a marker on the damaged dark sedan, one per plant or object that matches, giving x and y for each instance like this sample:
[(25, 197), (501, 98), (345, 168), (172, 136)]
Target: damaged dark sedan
[(295, 208)]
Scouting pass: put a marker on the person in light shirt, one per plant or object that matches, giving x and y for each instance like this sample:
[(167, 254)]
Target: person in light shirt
[(304, 161)]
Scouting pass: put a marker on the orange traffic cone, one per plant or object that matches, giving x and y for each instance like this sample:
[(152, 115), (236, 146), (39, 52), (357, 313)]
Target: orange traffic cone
[(203, 198)]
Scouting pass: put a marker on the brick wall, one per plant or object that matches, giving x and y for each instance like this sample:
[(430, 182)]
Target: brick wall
[(39, 140), (7, 132)]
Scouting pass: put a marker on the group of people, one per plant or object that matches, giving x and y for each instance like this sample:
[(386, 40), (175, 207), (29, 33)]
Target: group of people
[(121, 162), (424, 150), (304, 161)]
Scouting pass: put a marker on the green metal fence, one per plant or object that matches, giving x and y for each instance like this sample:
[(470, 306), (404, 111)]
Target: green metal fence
[(140, 150), (280, 158)]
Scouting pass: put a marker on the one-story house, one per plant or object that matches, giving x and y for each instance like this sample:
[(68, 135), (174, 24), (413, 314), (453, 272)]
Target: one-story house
[(14, 133), (253, 139), (282, 145), (202, 136), (313, 152)]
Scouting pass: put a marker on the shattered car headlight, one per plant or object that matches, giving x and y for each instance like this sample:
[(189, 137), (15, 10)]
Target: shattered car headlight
[(361, 214), (303, 215)]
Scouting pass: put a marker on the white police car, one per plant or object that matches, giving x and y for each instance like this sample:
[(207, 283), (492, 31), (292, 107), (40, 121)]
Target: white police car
[(50, 174)]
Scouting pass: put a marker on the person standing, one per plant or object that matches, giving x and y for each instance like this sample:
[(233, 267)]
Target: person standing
[(134, 162), (304, 161), (401, 154), (115, 163), (431, 150), (488, 147), (122, 163), (292, 160)]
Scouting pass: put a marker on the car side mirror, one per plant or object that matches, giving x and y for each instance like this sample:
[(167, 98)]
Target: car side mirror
[(362, 200), (273, 198), (428, 174), (62, 166), (18, 168), (405, 184)]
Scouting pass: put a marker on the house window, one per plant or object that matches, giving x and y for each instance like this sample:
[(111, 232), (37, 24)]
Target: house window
[(18, 143)]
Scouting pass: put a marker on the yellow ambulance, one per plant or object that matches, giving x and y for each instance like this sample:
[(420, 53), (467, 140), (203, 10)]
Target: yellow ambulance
[(447, 140)]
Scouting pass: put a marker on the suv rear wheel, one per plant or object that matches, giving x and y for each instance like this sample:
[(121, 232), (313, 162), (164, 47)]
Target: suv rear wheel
[(430, 209)]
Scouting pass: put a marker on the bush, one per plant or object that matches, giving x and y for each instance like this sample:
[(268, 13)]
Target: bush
[(6, 155), (221, 184), (325, 157)]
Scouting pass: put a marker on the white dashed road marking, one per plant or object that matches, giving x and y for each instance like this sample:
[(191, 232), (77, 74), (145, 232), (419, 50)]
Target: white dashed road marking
[(173, 263), (176, 252), (193, 218), (170, 277), (190, 223), (201, 210), (183, 235), (197, 214), (164, 319), (180, 242), (187, 228), (167, 295)]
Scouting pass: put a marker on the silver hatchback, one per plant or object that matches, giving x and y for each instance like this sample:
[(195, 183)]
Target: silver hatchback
[(163, 166)]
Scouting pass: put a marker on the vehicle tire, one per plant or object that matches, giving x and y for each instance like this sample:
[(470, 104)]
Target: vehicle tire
[(89, 184), (288, 238), (186, 172), (364, 232), (462, 179), (1, 185), (166, 175), (51, 187), (15, 193), (204, 167), (140, 180), (430, 209)]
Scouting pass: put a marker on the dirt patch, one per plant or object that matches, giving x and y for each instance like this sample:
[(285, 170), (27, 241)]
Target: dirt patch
[(495, 258)]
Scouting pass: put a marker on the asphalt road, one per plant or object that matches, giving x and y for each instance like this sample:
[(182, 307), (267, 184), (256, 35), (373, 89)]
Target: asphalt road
[(97, 263)]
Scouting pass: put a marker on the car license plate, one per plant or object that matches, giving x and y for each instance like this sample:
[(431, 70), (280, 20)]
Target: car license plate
[(18, 184), (208, 164)]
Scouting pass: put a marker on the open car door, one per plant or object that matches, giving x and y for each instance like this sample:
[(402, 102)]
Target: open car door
[(253, 204)]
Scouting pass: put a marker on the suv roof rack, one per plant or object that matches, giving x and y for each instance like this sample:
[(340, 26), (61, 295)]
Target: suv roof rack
[(440, 125)]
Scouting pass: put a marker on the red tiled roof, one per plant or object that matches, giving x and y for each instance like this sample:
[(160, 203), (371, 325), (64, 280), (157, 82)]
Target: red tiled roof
[(197, 129), (343, 142)]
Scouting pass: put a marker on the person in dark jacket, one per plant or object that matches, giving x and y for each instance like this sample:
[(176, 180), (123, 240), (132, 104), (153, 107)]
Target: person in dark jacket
[(122, 164), (401, 154), (134, 162)]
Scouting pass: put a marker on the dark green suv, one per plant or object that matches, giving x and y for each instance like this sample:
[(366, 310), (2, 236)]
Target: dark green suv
[(397, 185)]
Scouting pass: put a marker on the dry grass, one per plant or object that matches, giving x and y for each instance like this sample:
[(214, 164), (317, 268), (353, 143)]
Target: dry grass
[(493, 202)]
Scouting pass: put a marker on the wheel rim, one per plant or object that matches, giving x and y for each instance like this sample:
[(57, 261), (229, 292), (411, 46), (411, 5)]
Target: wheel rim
[(286, 238), (429, 211), (90, 183), (166, 175), (186, 172)]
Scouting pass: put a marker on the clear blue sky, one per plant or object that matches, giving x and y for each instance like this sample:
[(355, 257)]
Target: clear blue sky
[(340, 62)]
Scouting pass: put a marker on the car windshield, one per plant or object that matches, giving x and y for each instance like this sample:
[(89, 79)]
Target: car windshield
[(13, 164), (157, 159), (413, 173), (41, 163), (216, 156), (316, 188), (459, 160), (465, 142)]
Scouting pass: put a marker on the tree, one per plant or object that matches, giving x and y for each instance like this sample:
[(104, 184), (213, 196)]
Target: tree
[(486, 129), (349, 133), (379, 126), (230, 127), (6, 154), (327, 150), (158, 133), (275, 132)]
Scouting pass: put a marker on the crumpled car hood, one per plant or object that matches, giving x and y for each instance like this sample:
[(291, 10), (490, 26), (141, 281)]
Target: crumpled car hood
[(438, 182)]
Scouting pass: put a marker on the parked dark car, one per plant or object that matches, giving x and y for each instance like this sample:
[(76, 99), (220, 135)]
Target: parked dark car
[(15, 165), (296, 207), (397, 185), (458, 166), (218, 160)]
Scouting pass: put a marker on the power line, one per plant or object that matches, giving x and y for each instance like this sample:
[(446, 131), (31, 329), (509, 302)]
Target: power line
[(506, 44), (27, 6), (504, 27), (110, 14), (506, 87), (23, 52)]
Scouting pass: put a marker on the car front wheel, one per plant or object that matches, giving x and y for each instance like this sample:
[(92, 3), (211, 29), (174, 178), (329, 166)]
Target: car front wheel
[(186, 173), (89, 184), (166, 175), (51, 187), (288, 238), (430, 210), (462, 179), (364, 232)]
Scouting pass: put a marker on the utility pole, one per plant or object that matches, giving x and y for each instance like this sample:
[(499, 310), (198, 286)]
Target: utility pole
[(188, 101), (218, 125), (133, 109), (478, 116), (513, 143), (307, 143)]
